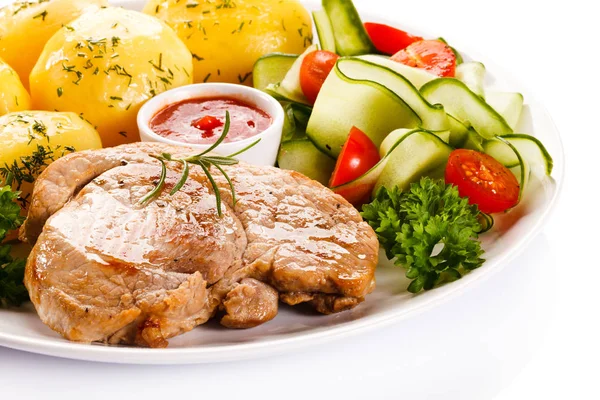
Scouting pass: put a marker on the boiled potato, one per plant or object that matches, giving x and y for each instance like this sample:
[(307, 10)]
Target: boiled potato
[(105, 65), (26, 26), (31, 140), (13, 96), (226, 37)]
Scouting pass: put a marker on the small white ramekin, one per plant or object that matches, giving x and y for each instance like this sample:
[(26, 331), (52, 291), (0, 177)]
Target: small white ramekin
[(263, 153)]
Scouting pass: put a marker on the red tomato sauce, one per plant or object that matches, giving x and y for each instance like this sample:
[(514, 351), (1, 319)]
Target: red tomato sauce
[(201, 120)]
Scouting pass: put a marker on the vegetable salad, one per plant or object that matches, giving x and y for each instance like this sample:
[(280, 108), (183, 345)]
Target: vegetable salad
[(401, 126)]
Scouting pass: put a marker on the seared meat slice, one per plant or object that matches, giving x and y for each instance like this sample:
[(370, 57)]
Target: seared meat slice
[(106, 268), (104, 265), (249, 304), (57, 187)]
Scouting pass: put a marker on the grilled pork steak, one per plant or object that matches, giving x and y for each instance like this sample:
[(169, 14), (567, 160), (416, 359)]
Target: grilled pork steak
[(106, 268)]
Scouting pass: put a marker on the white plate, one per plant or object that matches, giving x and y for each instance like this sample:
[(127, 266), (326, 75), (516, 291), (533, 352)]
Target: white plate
[(293, 328)]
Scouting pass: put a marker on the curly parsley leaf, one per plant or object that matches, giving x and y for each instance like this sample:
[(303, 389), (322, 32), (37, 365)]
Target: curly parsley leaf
[(429, 230), (12, 290)]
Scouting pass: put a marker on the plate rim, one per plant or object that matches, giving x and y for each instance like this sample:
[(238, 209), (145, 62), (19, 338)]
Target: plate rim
[(259, 349)]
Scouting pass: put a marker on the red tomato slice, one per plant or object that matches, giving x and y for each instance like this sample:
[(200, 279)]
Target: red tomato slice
[(431, 55), (486, 182), (389, 40), (207, 123), (357, 195), (313, 72), (358, 156)]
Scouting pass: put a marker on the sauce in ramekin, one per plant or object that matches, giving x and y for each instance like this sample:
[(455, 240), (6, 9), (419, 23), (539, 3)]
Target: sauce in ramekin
[(201, 120)]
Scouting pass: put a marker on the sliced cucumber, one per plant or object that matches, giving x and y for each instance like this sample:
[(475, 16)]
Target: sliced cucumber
[(501, 152), (396, 135), (390, 141), (351, 38), (296, 118), (507, 104), (418, 77), (418, 154), (302, 156), (289, 88), (517, 164), (271, 69), (444, 135), (474, 141), (522, 171), (368, 180), (459, 133), (530, 148), (302, 113), (415, 153), (472, 74), (289, 123), (466, 106), (523, 174), (324, 30), (371, 97), (432, 117), (345, 102)]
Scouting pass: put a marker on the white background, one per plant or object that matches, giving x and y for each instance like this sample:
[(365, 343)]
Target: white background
[(530, 332)]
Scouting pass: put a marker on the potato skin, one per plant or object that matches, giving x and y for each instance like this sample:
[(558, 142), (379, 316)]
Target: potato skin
[(105, 65), (26, 26), (50, 135), (13, 96), (226, 37)]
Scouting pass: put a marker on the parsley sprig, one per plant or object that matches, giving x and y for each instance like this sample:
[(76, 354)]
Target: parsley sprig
[(429, 230), (12, 271), (206, 162), (27, 168)]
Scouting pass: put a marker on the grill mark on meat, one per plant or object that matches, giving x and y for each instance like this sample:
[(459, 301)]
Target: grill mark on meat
[(290, 233)]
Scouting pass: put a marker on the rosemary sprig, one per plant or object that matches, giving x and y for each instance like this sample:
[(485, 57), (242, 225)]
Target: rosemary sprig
[(205, 162), (161, 181)]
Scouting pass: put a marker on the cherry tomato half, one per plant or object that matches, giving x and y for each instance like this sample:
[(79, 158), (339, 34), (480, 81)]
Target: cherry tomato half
[(389, 40), (358, 155), (486, 182), (356, 194), (313, 72), (431, 55)]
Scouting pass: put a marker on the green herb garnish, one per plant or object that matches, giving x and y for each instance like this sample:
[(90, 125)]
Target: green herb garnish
[(226, 4), (205, 162), (41, 15), (27, 168), (12, 271), (429, 230)]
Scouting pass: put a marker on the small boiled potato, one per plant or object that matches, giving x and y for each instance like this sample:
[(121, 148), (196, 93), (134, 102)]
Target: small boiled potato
[(105, 65), (26, 26), (31, 140), (13, 96), (226, 37)]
